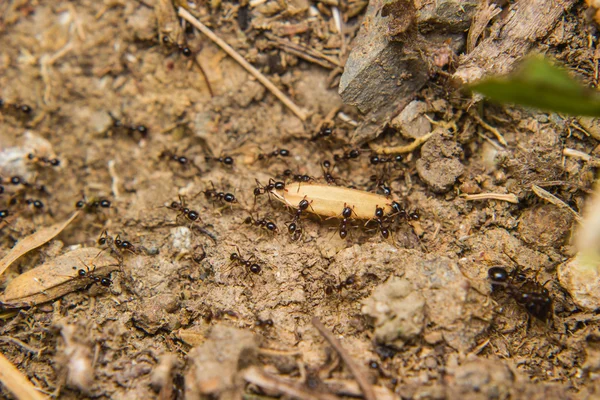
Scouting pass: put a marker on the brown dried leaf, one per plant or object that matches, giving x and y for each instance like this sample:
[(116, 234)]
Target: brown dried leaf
[(57, 277), (33, 241)]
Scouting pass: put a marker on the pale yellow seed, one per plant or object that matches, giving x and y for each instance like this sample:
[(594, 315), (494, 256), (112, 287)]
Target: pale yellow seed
[(329, 201)]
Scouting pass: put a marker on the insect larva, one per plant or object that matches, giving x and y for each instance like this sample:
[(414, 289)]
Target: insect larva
[(329, 201)]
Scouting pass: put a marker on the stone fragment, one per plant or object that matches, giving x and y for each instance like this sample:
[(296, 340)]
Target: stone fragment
[(398, 312), (546, 225), (439, 166), (580, 276), (411, 122)]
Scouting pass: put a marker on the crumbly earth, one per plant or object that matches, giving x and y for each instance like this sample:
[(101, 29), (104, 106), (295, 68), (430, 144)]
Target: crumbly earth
[(443, 335)]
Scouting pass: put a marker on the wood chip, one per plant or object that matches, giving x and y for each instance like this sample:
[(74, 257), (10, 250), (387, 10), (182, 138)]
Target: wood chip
[(511, 198)]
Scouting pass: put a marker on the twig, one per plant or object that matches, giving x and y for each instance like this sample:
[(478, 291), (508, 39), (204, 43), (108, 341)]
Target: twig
[(511, 198), (259, 378), (582, 156), (253, 71), (490, 128), (305, 52), (16, 382), (400, 149), (364, 384), (20, 343), (549, 197)]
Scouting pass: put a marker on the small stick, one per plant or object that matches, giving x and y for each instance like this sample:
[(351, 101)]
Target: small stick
[(511, 198), (364, 384), (549, 197), (17, 382), (259, 378), (400, 149), (253, 71), (490, 128)]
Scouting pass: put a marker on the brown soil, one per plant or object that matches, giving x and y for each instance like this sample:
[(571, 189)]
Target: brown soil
[(447, 337)]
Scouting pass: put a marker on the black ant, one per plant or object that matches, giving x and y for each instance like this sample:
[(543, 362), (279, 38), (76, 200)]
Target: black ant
[(92, 205), (131, 129), (302, 206), (288, 173), (348, 155), (349, 281), (225, 160), (534, 297), (35, 203), (294, 230), (251, 266), (380, 219), (43, 161), (116, 243), (183, 160), (184, 211), (346, 214), (18, 110), (3, 214), (17, 180), (401, 212), (262, 223), (274, 153), (378, 160), (329, 178), (264, 323), (87, 274), (260, 189), (324, 132), (213, 194), (381, 185), (182, 49)]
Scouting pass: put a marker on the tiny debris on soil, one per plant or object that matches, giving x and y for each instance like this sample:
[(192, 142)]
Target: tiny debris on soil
[(182, 276)]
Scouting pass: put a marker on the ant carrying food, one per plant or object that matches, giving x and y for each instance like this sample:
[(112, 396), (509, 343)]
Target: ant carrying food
[(343, 228), (535, 298), (260, 189), (327, 168), (380, 220), (253, 267), (261, 223)]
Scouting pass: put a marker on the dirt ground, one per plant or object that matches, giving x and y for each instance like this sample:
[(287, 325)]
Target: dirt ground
[(415, 311)]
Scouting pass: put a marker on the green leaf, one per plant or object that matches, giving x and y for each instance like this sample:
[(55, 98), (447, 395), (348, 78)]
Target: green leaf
[(540, 84)]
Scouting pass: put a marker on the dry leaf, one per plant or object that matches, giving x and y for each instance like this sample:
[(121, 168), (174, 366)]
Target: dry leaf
[(33, 241), (57, 277)]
